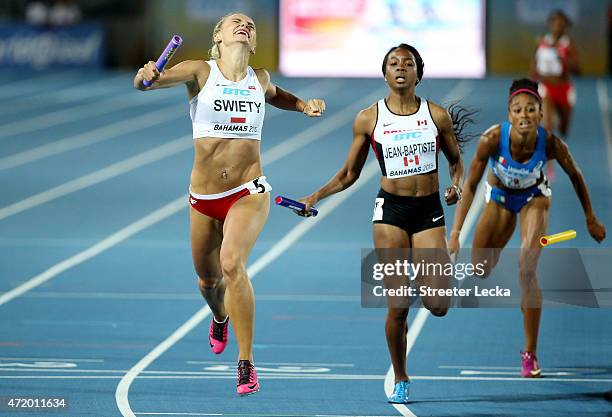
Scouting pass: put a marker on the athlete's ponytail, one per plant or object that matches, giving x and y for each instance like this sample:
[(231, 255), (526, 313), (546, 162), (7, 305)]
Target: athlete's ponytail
[(462, 118)]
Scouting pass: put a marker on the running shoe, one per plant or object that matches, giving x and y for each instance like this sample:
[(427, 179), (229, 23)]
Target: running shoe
[(401, 391), (529, 365), (217, 335), (247, 378)]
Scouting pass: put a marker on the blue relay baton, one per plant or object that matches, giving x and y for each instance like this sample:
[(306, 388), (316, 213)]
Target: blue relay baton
[(163, 59), (294, 205)]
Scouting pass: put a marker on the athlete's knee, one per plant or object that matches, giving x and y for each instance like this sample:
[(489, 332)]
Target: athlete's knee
[(484, 260), (397, 314), (208, 282), (438, 306), (233, 267), (439, 311)]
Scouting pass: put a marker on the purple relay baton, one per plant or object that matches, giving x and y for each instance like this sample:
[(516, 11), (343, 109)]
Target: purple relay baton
[(163, 59), (294, 205)]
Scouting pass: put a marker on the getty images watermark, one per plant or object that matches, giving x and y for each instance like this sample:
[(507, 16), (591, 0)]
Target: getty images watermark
[(488, 277), (400, 270)]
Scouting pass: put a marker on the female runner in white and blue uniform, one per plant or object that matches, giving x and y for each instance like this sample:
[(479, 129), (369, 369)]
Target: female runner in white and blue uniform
[(517, 152), (229, 196), (406, 134)]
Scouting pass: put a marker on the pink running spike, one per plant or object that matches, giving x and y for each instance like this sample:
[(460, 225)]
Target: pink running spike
[(217, 335), (529, 365), (247, 378)]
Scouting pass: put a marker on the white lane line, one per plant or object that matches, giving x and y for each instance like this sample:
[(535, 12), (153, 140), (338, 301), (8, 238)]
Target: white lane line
[(66, 94), (251, 415), (224, 372), (347, 377), (13, 358), (80, 112), (107, 243), (27, 86), (130, 230), (160, 152), (515, 379), (123, 82), (186, 296), (518, 368), (474, 372), (602, 95), (121, 394), (93, 136), (337, 365), (163, 151), (461, 90)]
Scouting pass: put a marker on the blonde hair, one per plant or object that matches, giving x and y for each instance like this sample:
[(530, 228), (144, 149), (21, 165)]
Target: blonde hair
[(215, 52)]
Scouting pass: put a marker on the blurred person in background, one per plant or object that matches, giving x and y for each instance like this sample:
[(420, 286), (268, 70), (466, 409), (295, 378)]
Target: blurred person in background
[(64, 13), (37, 13), (556, 58)]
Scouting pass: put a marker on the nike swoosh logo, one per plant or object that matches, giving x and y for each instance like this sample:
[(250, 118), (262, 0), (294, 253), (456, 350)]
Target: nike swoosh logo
[(222, 85), (435, 219), (253, 386), (387, 124)]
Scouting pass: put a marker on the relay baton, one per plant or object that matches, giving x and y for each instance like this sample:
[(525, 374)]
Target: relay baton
[(294, 205), (163, 59), (557, 237)]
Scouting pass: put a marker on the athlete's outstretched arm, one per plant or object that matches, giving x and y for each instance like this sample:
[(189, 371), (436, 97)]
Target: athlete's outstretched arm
[(557, 149), (284, 100), (192, 73), (450, 148), (487, 146), (350, 171)]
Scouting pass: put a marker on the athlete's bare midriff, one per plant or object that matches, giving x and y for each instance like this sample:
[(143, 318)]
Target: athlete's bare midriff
[(221, 164), (414, 186)]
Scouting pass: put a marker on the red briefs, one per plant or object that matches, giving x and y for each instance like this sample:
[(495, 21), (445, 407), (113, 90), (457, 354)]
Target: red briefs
[(563, 95), (218, 205)]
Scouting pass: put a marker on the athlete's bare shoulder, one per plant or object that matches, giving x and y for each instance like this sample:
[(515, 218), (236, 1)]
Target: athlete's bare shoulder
[(263, 76), (196, 71), (439, 114), (365, 121), (489, 140)]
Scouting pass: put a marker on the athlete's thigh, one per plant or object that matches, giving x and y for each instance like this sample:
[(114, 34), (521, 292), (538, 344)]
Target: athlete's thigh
[(429, 247), (493, 231), (390, 236), (206, 234), (495, 227), (392, 243), (244, 221)]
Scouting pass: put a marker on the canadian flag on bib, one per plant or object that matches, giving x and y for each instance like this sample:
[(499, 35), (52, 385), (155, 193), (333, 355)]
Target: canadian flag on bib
[(411, 160)]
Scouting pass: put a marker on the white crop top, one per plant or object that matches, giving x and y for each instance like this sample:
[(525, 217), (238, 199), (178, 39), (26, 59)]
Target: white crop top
[(405, 145), (228, 109)]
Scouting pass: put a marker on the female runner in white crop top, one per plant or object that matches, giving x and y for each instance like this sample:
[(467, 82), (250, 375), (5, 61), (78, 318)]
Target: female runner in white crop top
[(229, 197)]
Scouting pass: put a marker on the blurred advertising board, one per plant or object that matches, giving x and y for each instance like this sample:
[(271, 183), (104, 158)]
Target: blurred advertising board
[(349, 38), (32, 47)]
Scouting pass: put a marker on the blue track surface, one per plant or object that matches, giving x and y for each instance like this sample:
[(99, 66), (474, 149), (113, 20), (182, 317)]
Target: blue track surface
[(318, 352)]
